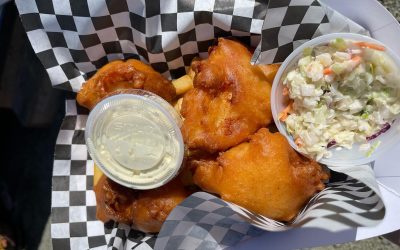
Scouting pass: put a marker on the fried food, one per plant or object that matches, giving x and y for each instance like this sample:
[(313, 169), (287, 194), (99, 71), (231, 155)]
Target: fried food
[(183, 84), (152, 207), (97, 174), (230, 99), (264, 175), (113, 201), (269, 70), (178, 105), (145, 210), (120, 75)]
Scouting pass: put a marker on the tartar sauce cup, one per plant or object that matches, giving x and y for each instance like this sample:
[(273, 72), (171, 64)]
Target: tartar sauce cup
[(135, 139), (343, 157)]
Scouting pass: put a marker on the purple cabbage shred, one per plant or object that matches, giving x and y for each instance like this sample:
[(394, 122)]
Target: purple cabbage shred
[(385, 128), (331, 144)]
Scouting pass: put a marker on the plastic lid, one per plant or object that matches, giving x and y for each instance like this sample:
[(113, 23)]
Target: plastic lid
[(135, 139)]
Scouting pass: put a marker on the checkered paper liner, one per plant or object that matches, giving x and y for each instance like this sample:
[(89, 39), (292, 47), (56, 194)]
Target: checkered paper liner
[(74, 38), (73, 221), (290, 23), (202, 220)]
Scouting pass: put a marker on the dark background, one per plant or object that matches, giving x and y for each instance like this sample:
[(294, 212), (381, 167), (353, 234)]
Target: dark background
[(31, 112)]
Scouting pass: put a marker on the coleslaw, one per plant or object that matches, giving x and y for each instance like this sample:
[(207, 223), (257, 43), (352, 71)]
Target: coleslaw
[(341, 93)]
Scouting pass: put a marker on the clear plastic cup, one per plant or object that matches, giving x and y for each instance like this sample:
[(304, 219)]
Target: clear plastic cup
[(344, 157), (134, 137)]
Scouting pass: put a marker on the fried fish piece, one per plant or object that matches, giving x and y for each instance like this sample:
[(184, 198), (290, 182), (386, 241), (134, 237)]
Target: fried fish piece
[(230, 99), (113, 201), (145, 210), (152, 207), (264, 175), (120, 75)]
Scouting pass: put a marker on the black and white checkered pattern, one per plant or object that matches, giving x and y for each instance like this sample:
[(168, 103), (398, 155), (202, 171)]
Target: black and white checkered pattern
[(75, 38), (341, 205), (202, 220), (73, 222), (290, 23)]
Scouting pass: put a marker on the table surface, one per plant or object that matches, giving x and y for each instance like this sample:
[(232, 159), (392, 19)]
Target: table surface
[(393, 6)]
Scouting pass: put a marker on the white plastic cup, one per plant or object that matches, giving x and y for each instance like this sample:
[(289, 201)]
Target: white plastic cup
[(343, 157), (135, 139)]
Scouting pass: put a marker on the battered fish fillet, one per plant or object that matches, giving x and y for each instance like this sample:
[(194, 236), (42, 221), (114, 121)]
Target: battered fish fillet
[(230, 99), (119, 75), (143, 210), (264, 175)]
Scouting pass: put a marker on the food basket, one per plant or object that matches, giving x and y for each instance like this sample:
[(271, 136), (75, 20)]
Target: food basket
[(75, 38)]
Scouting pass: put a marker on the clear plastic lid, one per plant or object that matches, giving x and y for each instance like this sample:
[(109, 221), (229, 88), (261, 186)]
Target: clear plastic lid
[(135, 139)]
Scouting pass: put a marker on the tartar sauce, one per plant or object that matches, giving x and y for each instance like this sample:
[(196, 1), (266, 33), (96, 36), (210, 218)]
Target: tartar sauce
[(135, 140)]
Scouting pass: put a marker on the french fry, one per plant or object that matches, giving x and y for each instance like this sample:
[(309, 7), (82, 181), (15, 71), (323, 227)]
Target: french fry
[(191, 73), (178, 105), (183, 84), (269, 71), (97, 175)]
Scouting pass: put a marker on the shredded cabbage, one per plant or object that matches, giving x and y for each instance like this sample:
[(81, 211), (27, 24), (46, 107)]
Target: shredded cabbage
[(342, 92)]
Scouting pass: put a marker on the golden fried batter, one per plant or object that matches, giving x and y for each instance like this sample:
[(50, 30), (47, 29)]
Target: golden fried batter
[(264, 175), (113, 201), (119, 75), (152, 207), (144, 210), (230, 99)]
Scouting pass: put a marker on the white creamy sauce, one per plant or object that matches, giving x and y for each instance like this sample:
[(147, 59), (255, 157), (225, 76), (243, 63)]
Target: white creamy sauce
[(136, 143)]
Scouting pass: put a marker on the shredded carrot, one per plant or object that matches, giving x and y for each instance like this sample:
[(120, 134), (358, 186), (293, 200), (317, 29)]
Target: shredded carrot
[(285, 91), (299, 142), (285, 113), (356, 60), (370, 45), (328, 71), (283, 116)]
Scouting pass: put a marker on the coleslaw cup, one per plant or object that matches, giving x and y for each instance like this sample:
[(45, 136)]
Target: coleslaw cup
[(342, 157)]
